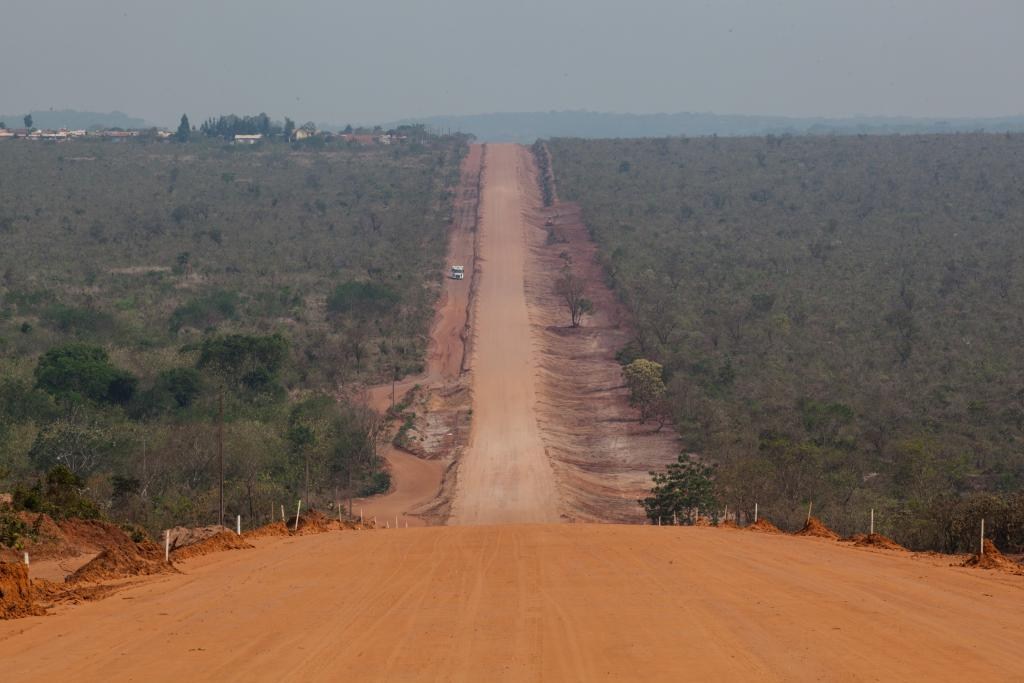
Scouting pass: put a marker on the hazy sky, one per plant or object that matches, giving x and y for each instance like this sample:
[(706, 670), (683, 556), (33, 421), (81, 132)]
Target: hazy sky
[(337, 61)]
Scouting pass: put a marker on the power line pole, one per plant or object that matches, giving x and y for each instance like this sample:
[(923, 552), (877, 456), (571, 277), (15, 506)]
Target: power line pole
[(220, 449)]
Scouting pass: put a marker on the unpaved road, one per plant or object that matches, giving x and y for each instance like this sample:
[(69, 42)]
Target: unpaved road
[(505, 475), (415, 481), (538, 602)]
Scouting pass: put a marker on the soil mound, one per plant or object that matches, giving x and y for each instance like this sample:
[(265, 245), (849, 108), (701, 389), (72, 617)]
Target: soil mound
[(272, 529), (16, 592), (222, 540), (874, 541), (123, 560), (314, 522), (993, 559), (816, 528), (764, 526), (182, 536), (728, 524), (92, 534)]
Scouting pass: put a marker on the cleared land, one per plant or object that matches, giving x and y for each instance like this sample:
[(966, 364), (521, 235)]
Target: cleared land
[(505, 475), (554, 602)]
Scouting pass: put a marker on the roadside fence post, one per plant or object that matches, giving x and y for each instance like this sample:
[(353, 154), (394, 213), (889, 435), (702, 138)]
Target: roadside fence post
[(238, 525), (981, 548), (167, 545), (298, 510), (872, 521), (755, 513)]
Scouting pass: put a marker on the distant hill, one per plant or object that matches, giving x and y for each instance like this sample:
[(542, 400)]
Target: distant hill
[(528, 126), (69, 118)]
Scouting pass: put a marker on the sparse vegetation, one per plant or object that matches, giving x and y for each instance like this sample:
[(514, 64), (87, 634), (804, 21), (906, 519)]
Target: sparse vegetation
[(836, 316), (141, 282)]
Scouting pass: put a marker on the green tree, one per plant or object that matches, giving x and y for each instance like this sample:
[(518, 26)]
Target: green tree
[(646, 387), (28, 121), (289, 128), (184, 130), (684, 491), (82, 371)]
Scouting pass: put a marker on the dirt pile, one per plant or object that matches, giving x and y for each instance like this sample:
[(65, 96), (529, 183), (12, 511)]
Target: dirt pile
[(182, 536), (874, 541), (221, 540), (16, 592), (272, 529), (993, 559), (728, 524), (123, 560), (815, 527), (764, 526)]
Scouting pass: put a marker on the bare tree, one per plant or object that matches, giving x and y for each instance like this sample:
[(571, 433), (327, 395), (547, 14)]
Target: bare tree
[(570, 288)]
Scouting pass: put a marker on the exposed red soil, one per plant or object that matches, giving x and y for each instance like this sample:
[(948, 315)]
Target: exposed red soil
[(874, 541), (222, 540), (273, 529), (764, 526), (422, 472), (123, 560), (729, 524), (815, 527), (16, 592), (46, 593), (600, 452), (993, 559)]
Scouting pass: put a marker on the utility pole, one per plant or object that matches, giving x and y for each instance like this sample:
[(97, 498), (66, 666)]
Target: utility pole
[(220, 449)]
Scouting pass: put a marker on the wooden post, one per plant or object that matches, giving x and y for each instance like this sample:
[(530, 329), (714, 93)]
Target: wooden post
[(673, 519), (755, 513), (167, 545), (297, 511), (809, 507), (872, 521), (26, 558), (238, 525), (339, 511), (360, 515), (981, 548)]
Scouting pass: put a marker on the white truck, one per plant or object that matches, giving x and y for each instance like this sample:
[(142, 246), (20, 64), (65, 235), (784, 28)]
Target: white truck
[(458, 273)]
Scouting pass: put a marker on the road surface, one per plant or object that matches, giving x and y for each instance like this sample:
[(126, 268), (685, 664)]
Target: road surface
[(505, 475), (538, 602)]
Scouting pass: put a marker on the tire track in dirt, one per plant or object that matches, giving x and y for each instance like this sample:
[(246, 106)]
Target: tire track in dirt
[(504, 476)]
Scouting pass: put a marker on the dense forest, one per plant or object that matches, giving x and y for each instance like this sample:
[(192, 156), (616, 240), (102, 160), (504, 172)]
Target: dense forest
[(149, 289), (838, 318)]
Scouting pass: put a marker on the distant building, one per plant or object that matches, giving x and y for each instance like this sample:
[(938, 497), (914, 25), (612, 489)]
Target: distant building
[(303, 133), (248, 139), (6, 134)]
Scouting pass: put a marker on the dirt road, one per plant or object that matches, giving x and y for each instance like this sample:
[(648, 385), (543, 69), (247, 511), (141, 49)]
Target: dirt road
[(505, 475), (416, 481), (538, 602)]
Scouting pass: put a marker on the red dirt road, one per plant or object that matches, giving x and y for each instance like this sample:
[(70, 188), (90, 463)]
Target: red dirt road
[(538, 602), (415, 481), (505, 475)]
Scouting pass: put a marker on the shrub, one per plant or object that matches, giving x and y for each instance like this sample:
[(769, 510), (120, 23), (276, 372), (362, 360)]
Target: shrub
[(362, 299), (75, 371)]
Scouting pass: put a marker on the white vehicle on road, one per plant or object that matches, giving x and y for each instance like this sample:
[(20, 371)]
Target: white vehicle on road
[(458, 273)]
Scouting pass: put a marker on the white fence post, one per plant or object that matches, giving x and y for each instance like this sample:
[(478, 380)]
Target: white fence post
[(872, 521), (167, 545), (755, 513), (981, 548), (298, 510), (238, 525)]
